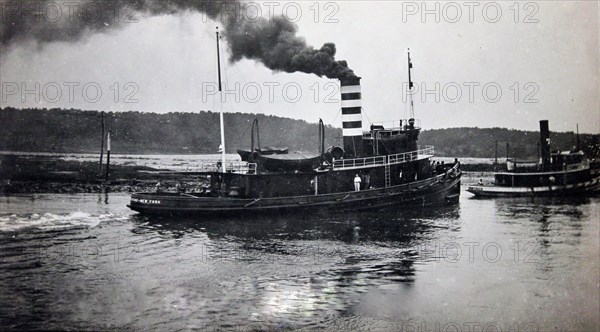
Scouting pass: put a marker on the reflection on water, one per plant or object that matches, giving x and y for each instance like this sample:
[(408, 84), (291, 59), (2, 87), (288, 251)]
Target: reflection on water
[(87, 262), (298, 268), (387, 226), (556, 225)]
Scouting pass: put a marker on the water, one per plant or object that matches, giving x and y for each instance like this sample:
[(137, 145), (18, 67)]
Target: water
[(86, 262)]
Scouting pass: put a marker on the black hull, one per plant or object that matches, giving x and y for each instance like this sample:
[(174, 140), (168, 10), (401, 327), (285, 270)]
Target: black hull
[(589, 187), (583, 181), (435, 191)]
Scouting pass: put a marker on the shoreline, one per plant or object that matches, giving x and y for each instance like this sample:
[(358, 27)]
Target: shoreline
[(9, 188), (36, 175), (42, 174)]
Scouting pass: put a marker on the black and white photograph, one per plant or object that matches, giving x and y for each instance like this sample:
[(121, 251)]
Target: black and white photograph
[(308, 165)]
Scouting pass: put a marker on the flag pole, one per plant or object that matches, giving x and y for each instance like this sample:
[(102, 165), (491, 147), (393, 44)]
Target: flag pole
[(222, 124)]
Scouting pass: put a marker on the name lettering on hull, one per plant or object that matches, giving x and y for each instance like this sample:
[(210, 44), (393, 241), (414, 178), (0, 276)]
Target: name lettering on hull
[(145, 201)]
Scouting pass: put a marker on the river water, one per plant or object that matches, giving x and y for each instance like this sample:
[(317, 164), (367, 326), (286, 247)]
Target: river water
[(86, 262)]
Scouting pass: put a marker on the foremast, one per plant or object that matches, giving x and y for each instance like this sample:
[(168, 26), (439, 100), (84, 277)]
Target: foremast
[(221, 121)]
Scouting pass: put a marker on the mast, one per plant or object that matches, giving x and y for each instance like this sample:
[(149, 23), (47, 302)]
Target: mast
[(222, 124), (410, 87)]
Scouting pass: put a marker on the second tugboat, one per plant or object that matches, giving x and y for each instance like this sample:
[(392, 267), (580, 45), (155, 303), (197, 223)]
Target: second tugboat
[(377, 168), (558, 173)]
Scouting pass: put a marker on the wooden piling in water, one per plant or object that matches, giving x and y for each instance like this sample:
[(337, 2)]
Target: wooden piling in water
[(107, 157), (101, 146)]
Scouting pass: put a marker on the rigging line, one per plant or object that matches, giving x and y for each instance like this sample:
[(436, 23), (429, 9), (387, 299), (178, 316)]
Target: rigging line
[(335, 118), (262, 112), (241, 133), (229, 106), (260, 109), (336, 138), (273, 130), (365, 113), (383, 143)]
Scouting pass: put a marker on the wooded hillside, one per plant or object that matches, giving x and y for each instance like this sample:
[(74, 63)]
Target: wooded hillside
[(59, 130)]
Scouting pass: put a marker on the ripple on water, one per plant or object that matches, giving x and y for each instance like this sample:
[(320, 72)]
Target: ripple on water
[(54, 221)]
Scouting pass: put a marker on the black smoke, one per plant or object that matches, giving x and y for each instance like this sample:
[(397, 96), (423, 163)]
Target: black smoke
[(272, 41), (68, 20), (276, 44)]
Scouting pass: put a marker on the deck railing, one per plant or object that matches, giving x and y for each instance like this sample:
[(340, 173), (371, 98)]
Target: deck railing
[(397, 124), (359, 162), (412, 155), (240, 167), (399, 158)]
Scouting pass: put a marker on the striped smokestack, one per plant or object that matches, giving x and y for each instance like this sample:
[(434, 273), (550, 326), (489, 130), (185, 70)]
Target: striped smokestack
[(351, 115)]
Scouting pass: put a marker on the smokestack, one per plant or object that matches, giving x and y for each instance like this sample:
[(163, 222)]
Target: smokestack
[(351, 115), (545, 143)]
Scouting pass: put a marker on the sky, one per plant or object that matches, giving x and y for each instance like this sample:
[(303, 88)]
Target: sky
[(475, 64)]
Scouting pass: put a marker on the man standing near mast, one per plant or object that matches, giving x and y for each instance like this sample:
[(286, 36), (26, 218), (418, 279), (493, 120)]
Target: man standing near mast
[(357, 182)]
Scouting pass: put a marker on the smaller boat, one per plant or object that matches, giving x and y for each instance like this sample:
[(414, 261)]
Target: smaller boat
[(558, 173), (269, 150), (298, 161)]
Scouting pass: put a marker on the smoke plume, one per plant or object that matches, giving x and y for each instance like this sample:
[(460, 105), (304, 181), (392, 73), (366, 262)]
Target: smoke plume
[(272, 41)]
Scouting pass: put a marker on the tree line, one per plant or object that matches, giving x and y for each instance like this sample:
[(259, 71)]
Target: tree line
[(482, 142), (71, 130)]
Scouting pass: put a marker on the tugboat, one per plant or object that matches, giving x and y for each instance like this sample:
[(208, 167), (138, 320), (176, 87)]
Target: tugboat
[(557, 173), (377, 168)]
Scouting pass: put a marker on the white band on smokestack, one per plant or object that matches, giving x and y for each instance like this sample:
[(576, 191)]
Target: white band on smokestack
[(350, 89), (352, 118), (352, 132), (351, 103)]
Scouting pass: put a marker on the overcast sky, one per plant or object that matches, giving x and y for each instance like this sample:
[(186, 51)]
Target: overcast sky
[(542, 56)]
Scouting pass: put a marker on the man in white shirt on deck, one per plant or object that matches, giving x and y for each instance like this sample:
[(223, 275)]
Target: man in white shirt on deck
[(357, 182)]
